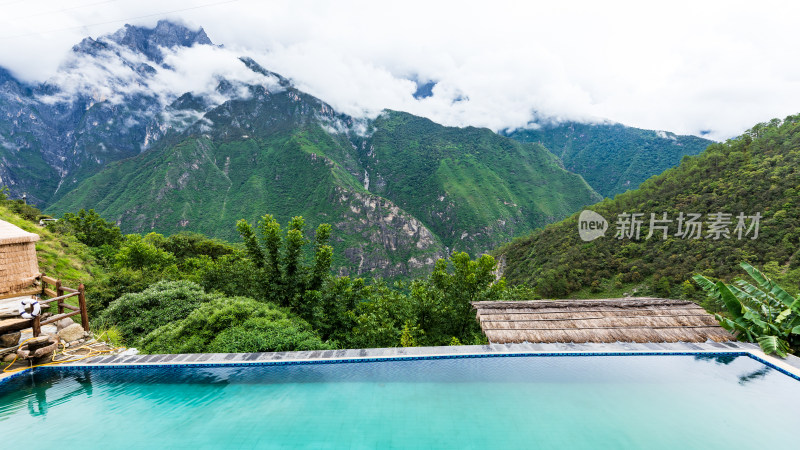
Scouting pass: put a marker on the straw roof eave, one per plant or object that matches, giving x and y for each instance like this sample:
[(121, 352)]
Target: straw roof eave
[(602, 321)]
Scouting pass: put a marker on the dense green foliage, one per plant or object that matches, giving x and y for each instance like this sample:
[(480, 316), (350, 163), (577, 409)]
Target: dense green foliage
[(233, 324), (755, 173), (763, 313), (137, 314), (613, 158), (89, 228), (432, 311), (276, 292)]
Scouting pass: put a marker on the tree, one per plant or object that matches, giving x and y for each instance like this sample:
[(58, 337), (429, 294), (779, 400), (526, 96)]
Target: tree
[(288, 279), (90, 228), (449, 292), (136, 253)]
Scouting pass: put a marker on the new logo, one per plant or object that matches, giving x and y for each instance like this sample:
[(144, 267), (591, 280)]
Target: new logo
[(591, 225)]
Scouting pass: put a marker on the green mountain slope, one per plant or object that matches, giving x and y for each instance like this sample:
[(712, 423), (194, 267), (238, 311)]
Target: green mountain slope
[(613, 158), (755, 173), (472, 188), (398, 198)]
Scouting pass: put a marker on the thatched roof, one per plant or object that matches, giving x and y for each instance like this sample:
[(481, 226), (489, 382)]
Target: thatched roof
[(19, 266), (611, 320), (12, 234)]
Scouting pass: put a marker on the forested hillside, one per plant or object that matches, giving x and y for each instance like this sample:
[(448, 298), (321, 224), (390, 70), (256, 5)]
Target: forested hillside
[(754, 174), (401, 196), (613, 158)]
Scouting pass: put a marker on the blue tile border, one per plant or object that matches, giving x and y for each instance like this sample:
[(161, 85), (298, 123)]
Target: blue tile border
[(376, 359), (773, 366), (14, 375), (414, 358)]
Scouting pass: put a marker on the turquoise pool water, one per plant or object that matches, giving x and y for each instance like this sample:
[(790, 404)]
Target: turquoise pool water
[(647, 402)]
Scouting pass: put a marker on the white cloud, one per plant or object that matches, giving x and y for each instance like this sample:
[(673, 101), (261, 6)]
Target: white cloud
[(679, 66), (113, 75)]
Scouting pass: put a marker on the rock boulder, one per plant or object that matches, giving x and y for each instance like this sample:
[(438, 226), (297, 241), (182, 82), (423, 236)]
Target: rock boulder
[(38, 347), (71, 333), (9, 339)]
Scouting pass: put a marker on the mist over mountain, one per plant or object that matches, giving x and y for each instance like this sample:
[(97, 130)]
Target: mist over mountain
[(111, 99), (400, 191), (161, 130)]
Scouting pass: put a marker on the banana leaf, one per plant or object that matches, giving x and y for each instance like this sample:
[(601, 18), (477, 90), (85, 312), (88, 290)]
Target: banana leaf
[(773, 344), (783, 315), (707, 285), (732, 304), (771, 287)]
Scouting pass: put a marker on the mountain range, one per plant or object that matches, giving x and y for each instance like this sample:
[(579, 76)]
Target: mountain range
[(737, 201), (129, 129), (611, 157)]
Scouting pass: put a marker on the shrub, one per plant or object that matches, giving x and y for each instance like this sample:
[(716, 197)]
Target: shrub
[(262, 334), (234, 324), (137, 314), (186, 245), (106, 288), (136, 253)]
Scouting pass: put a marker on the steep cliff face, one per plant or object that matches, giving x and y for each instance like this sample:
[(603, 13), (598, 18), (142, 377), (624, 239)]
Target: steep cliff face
[(473, 188), (24, 166), (389, 242)]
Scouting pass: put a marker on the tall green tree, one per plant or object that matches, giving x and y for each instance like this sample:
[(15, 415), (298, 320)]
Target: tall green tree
[(290, 277), (444, 300)]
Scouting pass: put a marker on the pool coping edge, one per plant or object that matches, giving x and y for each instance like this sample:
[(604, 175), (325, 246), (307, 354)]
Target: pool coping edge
[(789, 366)]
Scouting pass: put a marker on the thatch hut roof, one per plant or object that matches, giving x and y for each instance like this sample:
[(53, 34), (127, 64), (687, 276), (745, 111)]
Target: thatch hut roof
[(18, 264), (609, 320)]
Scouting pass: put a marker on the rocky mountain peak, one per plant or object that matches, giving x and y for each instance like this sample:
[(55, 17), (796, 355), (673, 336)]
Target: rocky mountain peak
[(148, 41)]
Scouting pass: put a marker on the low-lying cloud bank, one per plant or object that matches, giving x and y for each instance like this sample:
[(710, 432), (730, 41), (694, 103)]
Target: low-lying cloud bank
[(714, 67), (117, 73)]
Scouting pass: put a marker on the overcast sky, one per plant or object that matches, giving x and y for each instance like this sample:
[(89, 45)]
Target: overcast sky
[(680, 66)]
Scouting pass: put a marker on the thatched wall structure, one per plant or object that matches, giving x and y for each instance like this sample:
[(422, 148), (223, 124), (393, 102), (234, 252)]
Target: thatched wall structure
[(611, 320), (18, 264)]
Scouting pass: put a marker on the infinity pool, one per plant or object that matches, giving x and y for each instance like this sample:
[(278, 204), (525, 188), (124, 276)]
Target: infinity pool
[(643, 401)]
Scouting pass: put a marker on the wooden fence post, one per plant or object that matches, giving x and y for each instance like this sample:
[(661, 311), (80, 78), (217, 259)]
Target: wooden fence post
[(82, 305), (37, 329), (59, 293), (44, 284)]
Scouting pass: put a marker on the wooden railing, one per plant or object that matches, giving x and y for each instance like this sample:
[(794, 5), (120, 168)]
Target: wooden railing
[(58, 294)]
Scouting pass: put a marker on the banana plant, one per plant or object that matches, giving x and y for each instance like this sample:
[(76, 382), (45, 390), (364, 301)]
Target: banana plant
[(762, 313)]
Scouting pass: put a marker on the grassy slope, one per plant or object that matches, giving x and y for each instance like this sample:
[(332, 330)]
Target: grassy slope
[(613, 158), (757, 172), (59, 256)]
